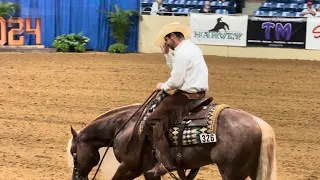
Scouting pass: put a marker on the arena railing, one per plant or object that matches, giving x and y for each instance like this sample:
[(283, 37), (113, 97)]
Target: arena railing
[(188, 14), (167, 13)]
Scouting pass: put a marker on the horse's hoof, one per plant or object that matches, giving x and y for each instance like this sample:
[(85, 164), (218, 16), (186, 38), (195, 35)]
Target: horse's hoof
[(151, 174), (155, 172)]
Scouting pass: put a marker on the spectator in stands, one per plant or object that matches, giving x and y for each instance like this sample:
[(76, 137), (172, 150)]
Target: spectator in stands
[(156, 8), (206, 8), (168, 10), (318, 12), (310, 11)]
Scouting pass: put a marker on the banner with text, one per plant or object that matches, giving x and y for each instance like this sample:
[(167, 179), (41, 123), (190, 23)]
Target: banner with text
[(313, 33), (277, 32), (216, 29)]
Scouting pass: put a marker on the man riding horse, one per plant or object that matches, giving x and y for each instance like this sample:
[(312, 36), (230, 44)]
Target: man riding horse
[(252, 152), (189, 80)]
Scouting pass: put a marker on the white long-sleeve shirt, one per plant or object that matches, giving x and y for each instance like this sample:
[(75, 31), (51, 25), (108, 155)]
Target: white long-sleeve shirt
[(189, 71), (307, 10)]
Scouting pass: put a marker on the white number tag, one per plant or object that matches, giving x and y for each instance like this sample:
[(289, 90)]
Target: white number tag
[(207, 138)]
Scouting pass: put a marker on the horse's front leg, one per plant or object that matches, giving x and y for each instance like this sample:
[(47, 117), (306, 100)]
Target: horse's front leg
[(151, 178), (125, 172)]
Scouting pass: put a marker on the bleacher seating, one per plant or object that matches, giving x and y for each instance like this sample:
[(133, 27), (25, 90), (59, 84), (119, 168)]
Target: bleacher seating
[(183, 7), (222, 11), (287, 8)]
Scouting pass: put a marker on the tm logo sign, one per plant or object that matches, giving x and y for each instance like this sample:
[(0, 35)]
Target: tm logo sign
[(281, 31)]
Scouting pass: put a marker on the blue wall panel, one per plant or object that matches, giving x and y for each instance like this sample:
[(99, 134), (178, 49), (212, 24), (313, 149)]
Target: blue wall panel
[(73, 16)]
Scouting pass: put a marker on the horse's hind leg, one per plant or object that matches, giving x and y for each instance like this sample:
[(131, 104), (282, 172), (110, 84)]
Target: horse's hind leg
[(126, 173), (231, 171), (253, 176), (232, 165)]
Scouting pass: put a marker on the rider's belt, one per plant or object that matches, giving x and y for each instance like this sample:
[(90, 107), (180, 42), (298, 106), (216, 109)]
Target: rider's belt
[(196, 95)]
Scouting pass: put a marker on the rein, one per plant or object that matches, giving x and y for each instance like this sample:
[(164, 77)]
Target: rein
[(143, 105)]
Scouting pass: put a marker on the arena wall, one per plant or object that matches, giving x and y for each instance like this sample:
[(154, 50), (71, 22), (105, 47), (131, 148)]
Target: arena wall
[(151, 24)]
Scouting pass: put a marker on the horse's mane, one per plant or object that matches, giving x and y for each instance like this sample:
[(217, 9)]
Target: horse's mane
[(111, 112), (116, 110)]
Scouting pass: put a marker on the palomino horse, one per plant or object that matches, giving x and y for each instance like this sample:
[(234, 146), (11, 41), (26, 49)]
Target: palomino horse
[(240, 144)]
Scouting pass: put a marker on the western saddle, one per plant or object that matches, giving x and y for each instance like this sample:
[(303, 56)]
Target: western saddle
[(202, 102), (199, 112)]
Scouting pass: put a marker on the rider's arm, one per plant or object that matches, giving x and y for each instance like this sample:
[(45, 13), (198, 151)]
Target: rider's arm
[(178, 73), (169, 59)]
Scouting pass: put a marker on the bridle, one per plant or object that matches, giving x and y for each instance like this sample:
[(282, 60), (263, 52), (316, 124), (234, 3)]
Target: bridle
[(75, 170), (76, 173)]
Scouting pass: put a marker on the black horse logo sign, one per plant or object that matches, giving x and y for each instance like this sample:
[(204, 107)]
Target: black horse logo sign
[(221, 31), (220, 25)]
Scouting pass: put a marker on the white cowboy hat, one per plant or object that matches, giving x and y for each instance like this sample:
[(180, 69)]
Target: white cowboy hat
[(172, 27)]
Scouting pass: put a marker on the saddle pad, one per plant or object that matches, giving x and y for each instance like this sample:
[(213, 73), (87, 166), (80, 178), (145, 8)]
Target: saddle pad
[(198, 134), (199, 129), (191, 135)]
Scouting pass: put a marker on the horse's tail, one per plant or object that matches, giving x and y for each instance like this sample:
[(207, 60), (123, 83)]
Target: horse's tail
[(267, 168)]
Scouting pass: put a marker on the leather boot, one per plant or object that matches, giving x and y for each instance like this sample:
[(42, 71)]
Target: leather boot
[(164, 158)]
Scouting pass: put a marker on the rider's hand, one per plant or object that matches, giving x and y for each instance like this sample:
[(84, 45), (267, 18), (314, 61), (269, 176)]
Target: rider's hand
[(165, 48), (158, 87)]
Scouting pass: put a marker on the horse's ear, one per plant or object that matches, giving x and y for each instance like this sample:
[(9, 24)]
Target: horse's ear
[(74, 133)]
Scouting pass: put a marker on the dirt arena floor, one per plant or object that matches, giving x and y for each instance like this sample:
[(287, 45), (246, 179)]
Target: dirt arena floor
[(42, 94)]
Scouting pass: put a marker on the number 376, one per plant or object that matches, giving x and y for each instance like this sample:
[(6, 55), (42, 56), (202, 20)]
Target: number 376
[(207, 138)]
